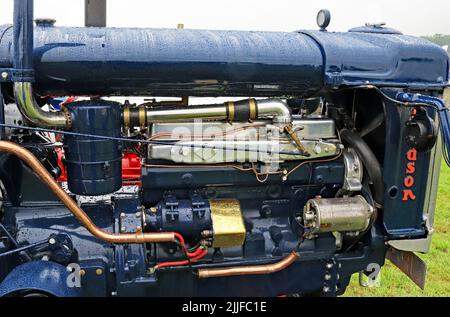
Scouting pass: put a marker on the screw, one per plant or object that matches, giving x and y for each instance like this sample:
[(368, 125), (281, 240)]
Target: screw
[(329, 266), (122, 215), (52, 241), (206, 243), (207, 233), (138, 214), (317, 149), (45, 258), (4, 75), (326, 289), (327, 277), (82, 272), (99, 271), (284, 178), (153, 210)]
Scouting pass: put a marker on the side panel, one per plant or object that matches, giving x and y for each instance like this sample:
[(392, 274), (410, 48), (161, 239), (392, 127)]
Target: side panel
[(408, 175)]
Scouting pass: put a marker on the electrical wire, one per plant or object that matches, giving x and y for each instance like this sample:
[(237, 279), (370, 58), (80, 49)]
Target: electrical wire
[(104, 137), (196, 258), (418, 100)]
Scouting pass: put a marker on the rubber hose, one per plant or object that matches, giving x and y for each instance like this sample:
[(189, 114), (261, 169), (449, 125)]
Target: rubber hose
[(369, 160)]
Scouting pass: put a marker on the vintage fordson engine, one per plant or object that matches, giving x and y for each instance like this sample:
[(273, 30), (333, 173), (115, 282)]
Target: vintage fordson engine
[(322, 161)]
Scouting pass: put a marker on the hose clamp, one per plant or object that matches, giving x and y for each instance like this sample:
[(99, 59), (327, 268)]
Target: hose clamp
[(230, 111), (253, 109), (126, 116)]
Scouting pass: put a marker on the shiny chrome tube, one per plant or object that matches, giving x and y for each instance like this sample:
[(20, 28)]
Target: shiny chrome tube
[(276, 108), (23, 91), (137, 237), (241, 111), (218, 112)]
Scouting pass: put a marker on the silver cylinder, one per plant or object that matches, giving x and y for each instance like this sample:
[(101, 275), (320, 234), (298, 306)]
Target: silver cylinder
[(276, 109), (217, 112), (347, 214)]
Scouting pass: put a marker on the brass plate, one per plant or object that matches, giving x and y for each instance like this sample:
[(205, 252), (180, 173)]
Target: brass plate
[(228, 225)]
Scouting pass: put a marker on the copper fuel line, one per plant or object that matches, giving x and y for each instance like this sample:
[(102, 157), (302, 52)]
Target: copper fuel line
[(137, 237), (251, 269)]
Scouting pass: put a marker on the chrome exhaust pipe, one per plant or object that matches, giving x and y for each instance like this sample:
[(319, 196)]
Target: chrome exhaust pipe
[(240, 111), (30, 110), (24, 73)]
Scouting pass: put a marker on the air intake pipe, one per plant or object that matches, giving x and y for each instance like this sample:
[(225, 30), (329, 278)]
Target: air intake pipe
[(23, 74), (241, 111)]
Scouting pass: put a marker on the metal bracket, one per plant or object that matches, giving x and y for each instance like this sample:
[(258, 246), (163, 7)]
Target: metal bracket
[(410, 264), (10, 75), (5, 75), (95, 13)]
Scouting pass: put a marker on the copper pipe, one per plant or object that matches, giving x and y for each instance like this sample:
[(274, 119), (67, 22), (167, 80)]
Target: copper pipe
[(250, 270), (136, 237)]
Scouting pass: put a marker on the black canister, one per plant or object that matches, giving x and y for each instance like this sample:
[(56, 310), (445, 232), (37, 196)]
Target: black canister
[(94, 166)]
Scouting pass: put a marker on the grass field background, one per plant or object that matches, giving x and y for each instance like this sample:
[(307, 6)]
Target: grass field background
[(395, 284)]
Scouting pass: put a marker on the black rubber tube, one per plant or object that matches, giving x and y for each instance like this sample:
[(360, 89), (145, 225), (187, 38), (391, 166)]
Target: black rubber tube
[(369, 160)]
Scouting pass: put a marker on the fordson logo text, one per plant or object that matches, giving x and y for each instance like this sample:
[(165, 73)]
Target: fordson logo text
[(408, 183)]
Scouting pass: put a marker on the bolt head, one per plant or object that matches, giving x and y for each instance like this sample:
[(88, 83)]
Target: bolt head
[(317, 149), (4, 75)]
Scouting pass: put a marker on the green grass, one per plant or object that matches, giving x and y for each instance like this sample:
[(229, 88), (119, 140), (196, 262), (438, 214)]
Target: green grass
[(395, 284)]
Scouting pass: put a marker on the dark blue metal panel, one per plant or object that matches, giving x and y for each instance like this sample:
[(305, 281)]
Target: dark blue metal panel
[(357, 58), (40, 276), (114, 61), (171, 62), (402, 218), (23, 40)]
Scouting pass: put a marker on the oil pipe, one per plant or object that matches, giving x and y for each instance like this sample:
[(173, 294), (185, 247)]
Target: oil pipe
[(138, 237)]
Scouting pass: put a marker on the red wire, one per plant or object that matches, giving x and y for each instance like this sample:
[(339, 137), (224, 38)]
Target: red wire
[(195, 253), (183, 245), (185, 262)]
